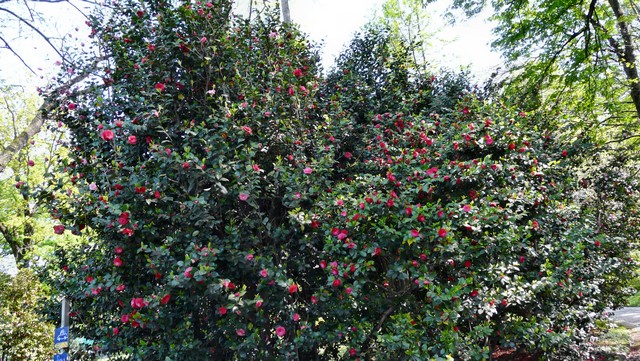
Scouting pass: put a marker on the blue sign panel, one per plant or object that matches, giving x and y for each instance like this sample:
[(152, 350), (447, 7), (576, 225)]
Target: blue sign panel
[(61, 337), (60, 357)]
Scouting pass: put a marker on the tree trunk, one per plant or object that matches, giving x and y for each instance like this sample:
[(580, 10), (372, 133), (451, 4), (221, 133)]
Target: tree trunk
[(23, 138), (626, 54), (286, 15)]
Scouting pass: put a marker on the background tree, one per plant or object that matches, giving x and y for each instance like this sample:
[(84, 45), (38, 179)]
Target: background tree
[(23, 333), (24, 226), (572, 56)]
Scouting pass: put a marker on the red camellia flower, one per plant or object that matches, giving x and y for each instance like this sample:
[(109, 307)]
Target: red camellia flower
[(116, 331), (117, 262), (124, 318), (127, 232), (132, 139), (165, 299), (295, 317), (71, 106), (141, 190), (123, 218), (222, 310), (160, 87), (31, 163), (352, 352), (58, 229), (107, 135), (442, 232), (120, 288), (415, 233), (138, 302), (297, 73), (280, 331), (118, 250), (293, 288), (336, 283), (473, 293), (186, 165), (89, 279)]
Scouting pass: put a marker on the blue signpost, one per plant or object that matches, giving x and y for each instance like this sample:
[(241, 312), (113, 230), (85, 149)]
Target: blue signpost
[(60, 357), (61, 337)]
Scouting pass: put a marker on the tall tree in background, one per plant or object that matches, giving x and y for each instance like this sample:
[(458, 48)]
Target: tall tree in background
[(573, 56), (286, 14)]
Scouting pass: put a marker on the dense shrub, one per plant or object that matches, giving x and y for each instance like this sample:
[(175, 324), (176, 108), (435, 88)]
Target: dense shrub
[(231, 213)]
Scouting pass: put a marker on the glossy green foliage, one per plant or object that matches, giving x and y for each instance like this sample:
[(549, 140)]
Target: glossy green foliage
[(238, 207)]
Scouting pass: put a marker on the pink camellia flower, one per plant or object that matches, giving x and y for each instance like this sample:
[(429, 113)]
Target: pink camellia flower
[(442, 232), (488, 140), (58, 229), (240, 332), (124, 318), (132, 139), (297, 73), (264, 273), (415, 233), (187, 272), (296, 317), (280, 331), (116, 331), (466, 208), (247, 130), (117, 262), (138, 302), (307, 170), (160, 87), (258, 304), (71, 106), (93, 186), (107, 135), (118, 250), (243, 196), (203, 40), (186, 165), (349, 290), (120, 288)]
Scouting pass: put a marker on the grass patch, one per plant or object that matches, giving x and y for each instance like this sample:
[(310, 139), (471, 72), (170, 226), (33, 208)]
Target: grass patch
[(634, 300), (616, 340)]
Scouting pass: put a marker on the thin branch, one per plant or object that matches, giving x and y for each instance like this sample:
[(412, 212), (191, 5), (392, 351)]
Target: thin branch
[(8, 47), (34, 28)]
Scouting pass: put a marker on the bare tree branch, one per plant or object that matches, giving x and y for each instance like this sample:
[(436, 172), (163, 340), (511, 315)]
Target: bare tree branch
[(34, 28), (8, 47)]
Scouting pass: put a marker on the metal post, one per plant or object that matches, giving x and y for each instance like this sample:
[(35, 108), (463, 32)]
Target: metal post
[(64, 319)]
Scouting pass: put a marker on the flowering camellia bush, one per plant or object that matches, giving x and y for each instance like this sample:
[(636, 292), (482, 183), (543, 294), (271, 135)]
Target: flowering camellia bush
[(230, 213)]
